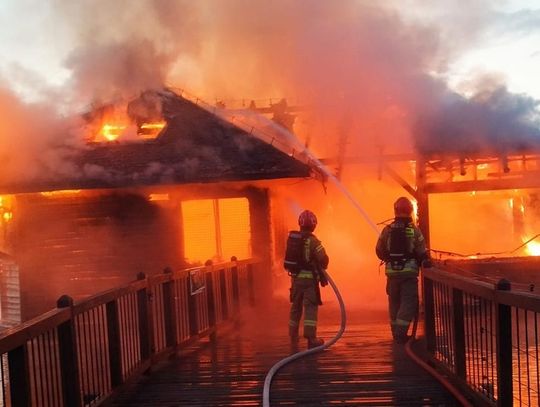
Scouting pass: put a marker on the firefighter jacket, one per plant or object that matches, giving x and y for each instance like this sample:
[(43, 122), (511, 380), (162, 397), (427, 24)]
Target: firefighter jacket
[(415, 251), (314, 256)]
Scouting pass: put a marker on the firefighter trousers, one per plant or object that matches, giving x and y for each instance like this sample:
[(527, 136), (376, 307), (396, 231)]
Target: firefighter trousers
[(303, 298), (402, 303)]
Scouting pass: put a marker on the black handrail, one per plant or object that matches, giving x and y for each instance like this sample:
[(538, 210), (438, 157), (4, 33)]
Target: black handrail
[(484, 335)]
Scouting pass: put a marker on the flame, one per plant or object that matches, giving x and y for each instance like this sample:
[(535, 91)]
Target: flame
[(532, 248), (6, 208), (415, 208), (150, 130), (63, 192), (111, 132), (158, 197)]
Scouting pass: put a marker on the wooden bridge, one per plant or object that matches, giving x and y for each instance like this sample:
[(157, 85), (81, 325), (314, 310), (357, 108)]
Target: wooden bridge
[(198, 338), (364, 368)]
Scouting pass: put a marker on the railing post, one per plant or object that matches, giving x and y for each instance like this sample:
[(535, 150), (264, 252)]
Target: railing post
[(211, 304), (169, 310), (504, 349), (251, 284), (192, 310), (459, 333), (235, 287), (67, 347), (145, 327), (115, 344), (429, 314), (19, 375), (223, 290)]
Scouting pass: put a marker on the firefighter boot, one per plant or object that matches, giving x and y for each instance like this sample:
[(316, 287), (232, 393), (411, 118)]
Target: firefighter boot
[(314, 342)]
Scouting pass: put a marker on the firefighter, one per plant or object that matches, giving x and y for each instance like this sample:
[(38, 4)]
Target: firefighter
[(305, 261), (402, 248)]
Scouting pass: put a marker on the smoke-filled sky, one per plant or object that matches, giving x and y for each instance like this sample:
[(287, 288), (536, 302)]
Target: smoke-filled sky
[(47, 44), (382, 62), (396, 75)]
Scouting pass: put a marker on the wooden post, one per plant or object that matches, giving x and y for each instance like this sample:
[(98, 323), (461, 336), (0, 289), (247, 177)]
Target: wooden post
[(115, 344), (192, 310), (251, 284), (429, 314), (422, 200), (235, 287), (145, 327), (504, 349), (169, 310), (211, 304), (223, 290), (67, 347), (19, 375), (459, 333)]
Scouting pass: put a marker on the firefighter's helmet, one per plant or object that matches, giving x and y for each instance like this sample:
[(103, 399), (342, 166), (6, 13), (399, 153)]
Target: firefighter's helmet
[(307, 220), (403, 207)]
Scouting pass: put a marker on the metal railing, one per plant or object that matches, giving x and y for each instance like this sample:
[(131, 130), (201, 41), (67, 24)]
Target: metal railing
[(81, 353), (484, 335)]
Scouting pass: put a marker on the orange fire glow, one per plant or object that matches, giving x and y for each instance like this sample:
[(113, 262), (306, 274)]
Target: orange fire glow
[(532, 248), (216, 229), (6, 207), (63, 192), (111, 132), (150, 130)]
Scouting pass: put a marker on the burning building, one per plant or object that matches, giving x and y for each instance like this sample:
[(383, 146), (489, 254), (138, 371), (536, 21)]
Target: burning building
[(162, 183)]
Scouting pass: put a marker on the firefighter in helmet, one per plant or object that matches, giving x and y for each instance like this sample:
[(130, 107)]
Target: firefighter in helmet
[(305, 261), (402, 247)]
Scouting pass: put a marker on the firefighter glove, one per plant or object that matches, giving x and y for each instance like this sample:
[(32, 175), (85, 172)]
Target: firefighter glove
[(323, 280)]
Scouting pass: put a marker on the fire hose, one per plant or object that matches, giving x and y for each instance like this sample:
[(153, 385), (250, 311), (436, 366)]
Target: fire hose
[(430, 370), (283, 362)]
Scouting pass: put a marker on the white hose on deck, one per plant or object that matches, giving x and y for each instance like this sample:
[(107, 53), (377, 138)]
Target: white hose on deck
[(283, 362)]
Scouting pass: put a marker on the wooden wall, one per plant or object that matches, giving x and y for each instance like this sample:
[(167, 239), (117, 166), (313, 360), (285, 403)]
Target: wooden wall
[(84, 244)]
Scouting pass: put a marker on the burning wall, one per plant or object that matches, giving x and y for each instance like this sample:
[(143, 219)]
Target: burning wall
[(83, 242)]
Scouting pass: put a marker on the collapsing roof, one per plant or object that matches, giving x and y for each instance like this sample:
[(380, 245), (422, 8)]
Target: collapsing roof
[(194, 147)]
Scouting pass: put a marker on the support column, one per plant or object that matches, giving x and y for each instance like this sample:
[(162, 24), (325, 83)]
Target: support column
[(422, 199)]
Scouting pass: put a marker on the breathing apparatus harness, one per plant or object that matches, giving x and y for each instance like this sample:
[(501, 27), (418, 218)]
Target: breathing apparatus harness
[(295, 253), (399, 246), (298, 256)]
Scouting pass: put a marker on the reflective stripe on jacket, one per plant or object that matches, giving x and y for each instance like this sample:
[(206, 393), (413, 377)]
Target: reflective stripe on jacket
[(417, 247)]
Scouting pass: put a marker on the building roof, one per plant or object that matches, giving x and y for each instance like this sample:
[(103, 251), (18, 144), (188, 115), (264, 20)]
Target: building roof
[(194, 147)]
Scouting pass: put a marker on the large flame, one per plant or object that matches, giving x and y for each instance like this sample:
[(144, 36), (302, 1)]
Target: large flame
[(115, 131), (532, 248), (111, 132), (150, 130)]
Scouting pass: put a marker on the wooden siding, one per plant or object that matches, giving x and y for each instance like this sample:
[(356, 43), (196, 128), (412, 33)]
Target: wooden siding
[(10, 301), (81, 245)]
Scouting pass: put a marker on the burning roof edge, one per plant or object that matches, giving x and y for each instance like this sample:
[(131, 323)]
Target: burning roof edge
[(196, 146)]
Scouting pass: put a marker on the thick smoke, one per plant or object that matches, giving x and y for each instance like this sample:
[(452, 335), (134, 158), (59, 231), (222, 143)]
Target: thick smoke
[(33, 140), (492, 121), (366, 71)]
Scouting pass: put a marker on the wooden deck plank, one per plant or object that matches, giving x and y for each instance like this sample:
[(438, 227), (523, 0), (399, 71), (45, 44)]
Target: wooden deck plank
[(363, 369)]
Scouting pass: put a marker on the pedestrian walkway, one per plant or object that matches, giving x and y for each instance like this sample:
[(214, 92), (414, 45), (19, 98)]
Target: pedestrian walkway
[(364, 368)]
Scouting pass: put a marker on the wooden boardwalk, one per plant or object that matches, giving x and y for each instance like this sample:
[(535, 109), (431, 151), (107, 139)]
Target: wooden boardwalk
[(363, 369)]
